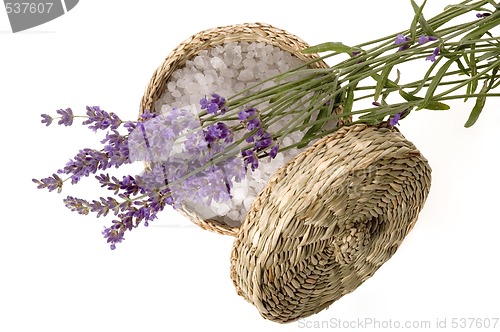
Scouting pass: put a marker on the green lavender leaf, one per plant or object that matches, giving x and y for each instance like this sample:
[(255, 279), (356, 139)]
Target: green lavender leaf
[(419, 17), (462, 67), (478, 107), (431, 105), (329, 47), (382, 82), (349, 100), (435, 82), (426, 76)]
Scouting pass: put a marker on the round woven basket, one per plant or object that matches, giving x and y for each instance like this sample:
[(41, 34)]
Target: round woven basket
[(188, 49), (329, 218)]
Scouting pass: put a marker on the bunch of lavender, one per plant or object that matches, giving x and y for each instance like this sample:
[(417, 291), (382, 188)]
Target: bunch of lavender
[(182, 154), (196, 157), (458, 50)]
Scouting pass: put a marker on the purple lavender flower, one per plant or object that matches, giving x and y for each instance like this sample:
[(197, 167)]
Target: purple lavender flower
[(394, 120), (482, 15), (86, 162), (274, 151), (212, 108), (424, 39), (246, 114), (66, 117), (210, 186), (250, 158), (130, 126), (220, 101), (254, 124), (376, 103), (218, 131), (103, 206), (47, 119), (100, 119), (127, 184), (114, 234), (155, 177), (435, 53), (403, 41), (116, 150), (204, 102), (146, 115), (153, 140), (77, 205), (51, 183), (215, 104), (263, 142)]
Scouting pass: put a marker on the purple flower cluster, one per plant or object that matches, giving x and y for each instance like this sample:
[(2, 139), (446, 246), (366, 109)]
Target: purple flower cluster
[(218, 132), (47, 119), (51, 183), (262, 139), (424, 39), (434, 54), (483, 15), (394, 120), (86, 162), (100, 119), (115, 152), (214, 104), (177, 148), (187, 162), (66, 117), (403, 41), (130, 212), (153, 139), (89, 161)]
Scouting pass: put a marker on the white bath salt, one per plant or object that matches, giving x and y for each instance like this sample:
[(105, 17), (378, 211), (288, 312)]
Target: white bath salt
[(225, 70)]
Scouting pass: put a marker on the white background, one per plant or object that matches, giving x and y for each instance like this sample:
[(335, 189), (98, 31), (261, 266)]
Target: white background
[(58, 274)]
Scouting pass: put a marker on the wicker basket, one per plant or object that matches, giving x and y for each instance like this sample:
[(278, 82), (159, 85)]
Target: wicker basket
[(256, 32), (328, 219)]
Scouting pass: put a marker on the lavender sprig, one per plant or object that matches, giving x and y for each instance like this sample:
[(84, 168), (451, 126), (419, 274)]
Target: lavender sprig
[(51, 183), (101, 120), (66, 117), (171, 179)]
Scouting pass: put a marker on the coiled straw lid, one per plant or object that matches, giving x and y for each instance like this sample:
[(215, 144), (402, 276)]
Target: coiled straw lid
[(328, 220)]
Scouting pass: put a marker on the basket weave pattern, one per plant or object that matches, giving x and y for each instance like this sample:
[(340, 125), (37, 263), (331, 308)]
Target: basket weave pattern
[(328, 220)]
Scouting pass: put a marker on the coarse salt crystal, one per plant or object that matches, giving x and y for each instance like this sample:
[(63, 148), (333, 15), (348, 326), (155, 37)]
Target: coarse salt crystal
[(246, 75), (217, 63)]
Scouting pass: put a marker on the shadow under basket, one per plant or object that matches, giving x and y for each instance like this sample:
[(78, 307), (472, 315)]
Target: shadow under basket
[(326, 220)]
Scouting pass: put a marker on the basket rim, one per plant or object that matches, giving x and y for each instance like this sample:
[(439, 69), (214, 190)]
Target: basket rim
[(245, 32)]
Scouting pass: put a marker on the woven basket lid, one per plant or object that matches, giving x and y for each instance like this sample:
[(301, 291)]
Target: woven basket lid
[(188, 49), (328, 220)]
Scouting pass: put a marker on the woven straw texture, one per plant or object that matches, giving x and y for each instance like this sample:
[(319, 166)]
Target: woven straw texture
[(254, 32), (328, 220)]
